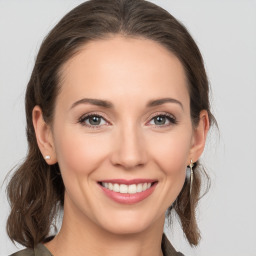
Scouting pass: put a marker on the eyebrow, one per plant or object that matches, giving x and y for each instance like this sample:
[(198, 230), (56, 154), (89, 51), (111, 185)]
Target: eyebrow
[(159, 102), (96, 102), (108, 104)]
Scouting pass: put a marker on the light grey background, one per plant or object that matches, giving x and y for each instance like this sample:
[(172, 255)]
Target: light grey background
[(226, 34)]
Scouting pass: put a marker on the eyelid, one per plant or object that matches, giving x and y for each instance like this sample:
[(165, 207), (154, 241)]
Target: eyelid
[(171, 116), (101, 115)]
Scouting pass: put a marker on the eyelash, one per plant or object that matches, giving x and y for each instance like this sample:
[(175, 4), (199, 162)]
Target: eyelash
[(85, 117), (168, 116)]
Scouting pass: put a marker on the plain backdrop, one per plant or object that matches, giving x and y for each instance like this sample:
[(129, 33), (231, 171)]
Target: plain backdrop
[(225, 32)]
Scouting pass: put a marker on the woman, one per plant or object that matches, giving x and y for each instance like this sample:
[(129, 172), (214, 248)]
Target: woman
[(117, 108)]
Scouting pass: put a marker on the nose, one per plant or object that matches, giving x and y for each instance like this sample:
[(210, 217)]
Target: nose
[(129, 149)]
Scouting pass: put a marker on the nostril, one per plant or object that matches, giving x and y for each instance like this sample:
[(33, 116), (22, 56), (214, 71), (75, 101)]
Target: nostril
[(129, 153)]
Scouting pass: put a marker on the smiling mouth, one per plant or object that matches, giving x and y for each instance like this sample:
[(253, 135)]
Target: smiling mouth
[(127, 188), (128, 191), (132, 188)]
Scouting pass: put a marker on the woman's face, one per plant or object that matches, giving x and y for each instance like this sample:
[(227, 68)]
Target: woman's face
[(122, 133)]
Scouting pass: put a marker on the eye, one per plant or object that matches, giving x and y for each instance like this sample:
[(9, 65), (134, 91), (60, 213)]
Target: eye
[(163, 120), (92, 120)]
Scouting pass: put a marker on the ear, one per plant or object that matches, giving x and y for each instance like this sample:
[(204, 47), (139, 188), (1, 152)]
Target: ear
[(44, 136), (199, 137)]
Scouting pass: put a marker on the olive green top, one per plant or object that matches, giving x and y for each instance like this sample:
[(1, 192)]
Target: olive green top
[(41, 250)]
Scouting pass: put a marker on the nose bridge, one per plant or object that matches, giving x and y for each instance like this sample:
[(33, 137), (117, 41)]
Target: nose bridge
[(129, 150)]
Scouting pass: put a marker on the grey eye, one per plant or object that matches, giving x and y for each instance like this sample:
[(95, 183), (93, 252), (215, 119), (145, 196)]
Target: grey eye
[(94, 120), (160, 120)]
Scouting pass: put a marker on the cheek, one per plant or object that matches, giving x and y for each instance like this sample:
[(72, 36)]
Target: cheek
[(79, 154), (171, 153)]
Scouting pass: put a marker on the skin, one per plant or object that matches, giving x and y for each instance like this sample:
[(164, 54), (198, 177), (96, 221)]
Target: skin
[(127, 144)]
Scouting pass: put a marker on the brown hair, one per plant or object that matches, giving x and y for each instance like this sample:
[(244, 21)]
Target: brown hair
[(36, 190)]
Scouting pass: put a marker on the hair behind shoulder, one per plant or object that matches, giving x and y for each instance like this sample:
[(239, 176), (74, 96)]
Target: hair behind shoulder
[(36, 190)]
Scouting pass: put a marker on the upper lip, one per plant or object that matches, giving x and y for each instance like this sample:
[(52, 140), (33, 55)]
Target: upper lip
[(128, 182)]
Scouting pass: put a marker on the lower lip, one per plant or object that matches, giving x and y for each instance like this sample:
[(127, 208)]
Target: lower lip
[(129, 198)]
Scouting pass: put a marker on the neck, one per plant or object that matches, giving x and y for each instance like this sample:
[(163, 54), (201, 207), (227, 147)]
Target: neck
[(79, 238)]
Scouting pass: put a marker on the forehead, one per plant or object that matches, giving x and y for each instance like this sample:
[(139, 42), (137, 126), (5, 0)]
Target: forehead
[(117, 66)]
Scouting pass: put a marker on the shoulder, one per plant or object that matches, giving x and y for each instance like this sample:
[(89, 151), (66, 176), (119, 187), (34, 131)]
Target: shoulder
[(25, 252), (39, 250), (168, 249)]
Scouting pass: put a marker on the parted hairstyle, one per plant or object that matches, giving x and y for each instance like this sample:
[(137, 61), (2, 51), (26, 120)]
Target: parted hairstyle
[(36, 190)]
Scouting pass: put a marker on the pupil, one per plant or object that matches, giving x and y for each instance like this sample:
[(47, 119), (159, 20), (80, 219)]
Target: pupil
[(160, 120), (95, 120)]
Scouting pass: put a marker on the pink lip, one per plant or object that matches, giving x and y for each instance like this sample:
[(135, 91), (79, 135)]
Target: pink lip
[(129, 198)]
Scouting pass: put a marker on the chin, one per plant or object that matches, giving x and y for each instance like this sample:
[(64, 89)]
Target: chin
[(126, 228), (129, 223)]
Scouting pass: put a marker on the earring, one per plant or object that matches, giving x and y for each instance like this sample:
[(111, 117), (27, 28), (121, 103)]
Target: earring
[(47, 157), (191, 175)]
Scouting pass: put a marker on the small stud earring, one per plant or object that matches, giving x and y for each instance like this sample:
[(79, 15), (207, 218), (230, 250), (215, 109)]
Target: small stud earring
[(47, 157), (191, 175)]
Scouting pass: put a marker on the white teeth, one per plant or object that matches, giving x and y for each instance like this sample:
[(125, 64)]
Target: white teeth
[(104, 184), (145, 186), (110, 186), (123, 188), (132, 189), (127, 189), (139, 188), (116, 188)]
